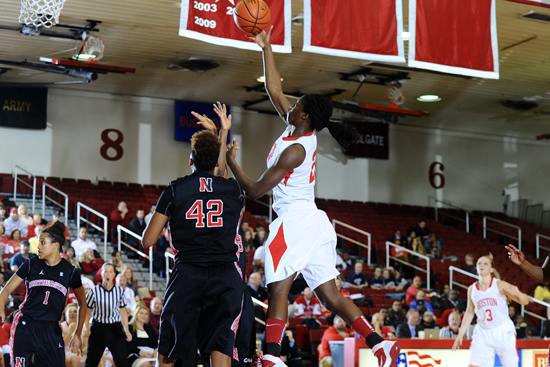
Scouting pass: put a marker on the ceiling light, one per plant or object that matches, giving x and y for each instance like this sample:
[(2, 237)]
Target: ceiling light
[(429, 98), (406, 36), (83, 57), (261, 79)]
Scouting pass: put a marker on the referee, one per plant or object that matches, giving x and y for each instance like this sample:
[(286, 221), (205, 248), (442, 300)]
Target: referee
[(109, 315), (205, 292)]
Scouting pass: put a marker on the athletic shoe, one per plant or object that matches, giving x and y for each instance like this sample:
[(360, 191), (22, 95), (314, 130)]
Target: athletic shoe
[(387, 353), (269, 360)]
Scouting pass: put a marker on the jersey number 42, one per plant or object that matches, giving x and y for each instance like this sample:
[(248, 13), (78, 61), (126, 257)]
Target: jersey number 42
[(214, 210)]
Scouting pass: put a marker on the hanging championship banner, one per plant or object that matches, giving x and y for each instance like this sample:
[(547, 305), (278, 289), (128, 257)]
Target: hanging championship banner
[(543, 3), (359, 29), (24, 108), (457, 37), (212, 21), (186, 123), (374, 143)]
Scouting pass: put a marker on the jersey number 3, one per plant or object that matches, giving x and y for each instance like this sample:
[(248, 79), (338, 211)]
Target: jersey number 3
[(489, 316), (214, 208)]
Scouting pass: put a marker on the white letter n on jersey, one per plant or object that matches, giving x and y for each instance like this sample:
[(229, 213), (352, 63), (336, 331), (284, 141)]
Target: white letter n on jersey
[(205, 184)]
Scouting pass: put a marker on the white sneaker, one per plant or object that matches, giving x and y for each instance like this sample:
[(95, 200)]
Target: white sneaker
[(269, 360), (387, 353)]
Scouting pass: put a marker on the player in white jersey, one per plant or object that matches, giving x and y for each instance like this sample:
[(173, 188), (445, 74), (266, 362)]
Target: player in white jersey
[(494, 332), (301, 239)]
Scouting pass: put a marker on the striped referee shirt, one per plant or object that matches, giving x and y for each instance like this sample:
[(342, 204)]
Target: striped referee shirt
[(106, 304)]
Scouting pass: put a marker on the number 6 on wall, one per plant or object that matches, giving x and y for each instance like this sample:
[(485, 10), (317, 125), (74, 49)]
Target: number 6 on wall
[(433, 175)]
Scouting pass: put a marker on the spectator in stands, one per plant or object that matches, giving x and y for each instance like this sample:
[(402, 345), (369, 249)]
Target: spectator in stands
[(337, 332), (340, 264), (89, 263), (245, 226), (412, 236), (260, 270), (290, 354), (412, 290), (150, 214), (358, 279), (451, 331), (119, 216), (387, 275), (259, 255), (421, 230), (421, 302), (129, 295), (248, 240), (378, 324), (400, 282), (396, 315), (254, 287), (3, 213), (24, 214), (428, 321), (131, 282), (399, 252), (14, 222), (433, 246), (33, 241), (542, 293), (519, 321), (56, 217), (154, 314), (68, 326), (376, 280), (397, 236), (261, 237), (418, 247), (117, 262), (14, 244), (452, 301), (307, 305), (69, 255), (444, 319), (512, 311), (137, 225), (469, 266), (409, 329), (142, 349), (350, 263), (82, 243), (36, 221), (21, 257), (3, 237), (343, 291)]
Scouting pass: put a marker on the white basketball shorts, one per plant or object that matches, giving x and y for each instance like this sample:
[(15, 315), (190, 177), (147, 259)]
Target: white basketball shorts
[(488, 342), (301, 240)]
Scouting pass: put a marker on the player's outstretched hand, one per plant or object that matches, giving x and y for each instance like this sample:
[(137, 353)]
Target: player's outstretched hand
[(205, 122), (263, 39), (221, 111), (517, 256), (232, 149), (458, 343), (76, 342), (128, 336)]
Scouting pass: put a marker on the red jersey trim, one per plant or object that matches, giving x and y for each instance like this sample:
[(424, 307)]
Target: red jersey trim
[(301, 136), (490, 284), (287, 177), (477, 287)]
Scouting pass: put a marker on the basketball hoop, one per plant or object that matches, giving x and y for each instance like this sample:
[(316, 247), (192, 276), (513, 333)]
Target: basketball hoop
[(40, 13), (94, 46), (394, 94)]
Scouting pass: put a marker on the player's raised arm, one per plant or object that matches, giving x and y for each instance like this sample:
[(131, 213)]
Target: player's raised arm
[(540, 274), (225, 122), (273, 84)]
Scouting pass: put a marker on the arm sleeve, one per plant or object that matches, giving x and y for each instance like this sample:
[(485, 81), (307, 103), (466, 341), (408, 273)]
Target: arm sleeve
[(24, 269), (165, 200)]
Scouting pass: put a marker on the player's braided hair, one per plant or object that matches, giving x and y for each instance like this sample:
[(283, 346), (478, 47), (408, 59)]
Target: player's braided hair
[(319, 109), (56, 231), (205, 149)]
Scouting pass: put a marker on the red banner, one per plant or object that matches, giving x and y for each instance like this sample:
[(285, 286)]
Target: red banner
[(543, 3), (212, 21), (454, 36), (369, 30)]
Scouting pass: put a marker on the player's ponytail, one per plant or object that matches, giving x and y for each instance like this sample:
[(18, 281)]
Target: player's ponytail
[(56, 231), (319, 109)]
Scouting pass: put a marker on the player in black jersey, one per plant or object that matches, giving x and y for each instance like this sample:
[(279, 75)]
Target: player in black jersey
[(35, 335), (205, 293)]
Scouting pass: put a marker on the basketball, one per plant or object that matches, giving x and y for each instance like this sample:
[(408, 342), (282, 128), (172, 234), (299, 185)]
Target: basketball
[(252, 16)]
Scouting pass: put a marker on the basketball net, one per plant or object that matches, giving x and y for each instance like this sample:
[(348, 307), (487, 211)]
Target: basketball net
[(394, 94), (40, 13), (94, 46)]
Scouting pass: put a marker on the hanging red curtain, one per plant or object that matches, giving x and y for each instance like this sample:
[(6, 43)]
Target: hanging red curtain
[(454, 36), (369, 30)]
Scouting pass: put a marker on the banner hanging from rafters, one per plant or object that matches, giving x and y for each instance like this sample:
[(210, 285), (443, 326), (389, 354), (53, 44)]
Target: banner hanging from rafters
[(457, 37), (543, 3), (359, 29), (212, 21)]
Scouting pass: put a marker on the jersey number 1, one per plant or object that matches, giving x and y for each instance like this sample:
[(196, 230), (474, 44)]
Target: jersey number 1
[(46, 298), (213, 218)]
